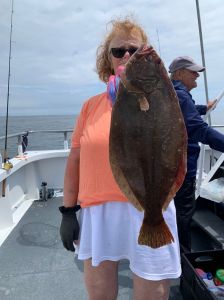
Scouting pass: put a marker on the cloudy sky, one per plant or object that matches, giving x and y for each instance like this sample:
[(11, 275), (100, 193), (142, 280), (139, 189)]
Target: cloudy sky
[(55, 41)]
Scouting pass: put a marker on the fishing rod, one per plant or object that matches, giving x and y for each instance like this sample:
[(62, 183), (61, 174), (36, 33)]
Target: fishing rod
[(217, 99), (6, 164)]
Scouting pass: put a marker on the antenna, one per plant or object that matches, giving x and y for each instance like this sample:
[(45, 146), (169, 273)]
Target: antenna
[(7, 165), (157, 32)]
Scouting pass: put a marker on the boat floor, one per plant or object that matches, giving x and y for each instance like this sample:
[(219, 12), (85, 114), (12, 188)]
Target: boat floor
[(35, 266)]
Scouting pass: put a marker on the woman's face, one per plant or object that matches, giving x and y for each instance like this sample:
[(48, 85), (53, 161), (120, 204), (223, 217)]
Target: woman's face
[(121, 48)]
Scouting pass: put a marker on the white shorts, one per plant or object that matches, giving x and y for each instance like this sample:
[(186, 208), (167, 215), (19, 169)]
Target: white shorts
[(110, 232)]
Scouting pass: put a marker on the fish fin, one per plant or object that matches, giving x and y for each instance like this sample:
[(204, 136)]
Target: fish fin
[(179, 180), (155, 236), (170, 197), (167, 202), (135, 203)]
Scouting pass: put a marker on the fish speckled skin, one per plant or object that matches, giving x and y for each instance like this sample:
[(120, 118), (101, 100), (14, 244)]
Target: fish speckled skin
[(148, 142)]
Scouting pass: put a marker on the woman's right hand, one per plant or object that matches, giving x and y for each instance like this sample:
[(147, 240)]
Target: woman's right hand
[(69, 229)]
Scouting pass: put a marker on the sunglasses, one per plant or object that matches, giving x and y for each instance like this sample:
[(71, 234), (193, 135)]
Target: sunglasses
[(120, 52)]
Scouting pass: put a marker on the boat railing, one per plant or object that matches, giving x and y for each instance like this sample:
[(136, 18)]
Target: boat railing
[(21, 134), (20, 137), (217, 126), (201, 162)]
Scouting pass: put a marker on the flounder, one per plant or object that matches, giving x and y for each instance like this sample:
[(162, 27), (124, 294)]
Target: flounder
[(148, 142)]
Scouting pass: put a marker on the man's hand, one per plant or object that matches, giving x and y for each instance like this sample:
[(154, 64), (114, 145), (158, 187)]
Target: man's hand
[(69, 229), (211, 104)]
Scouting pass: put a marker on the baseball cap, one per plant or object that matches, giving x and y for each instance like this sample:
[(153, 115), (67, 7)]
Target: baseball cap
[(185, 62)]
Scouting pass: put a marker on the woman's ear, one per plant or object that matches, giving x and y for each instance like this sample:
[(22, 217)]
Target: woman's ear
[(110, 63), (109, 57)]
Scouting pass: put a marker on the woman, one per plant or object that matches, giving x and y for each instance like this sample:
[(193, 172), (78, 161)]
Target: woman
[(109, 223)]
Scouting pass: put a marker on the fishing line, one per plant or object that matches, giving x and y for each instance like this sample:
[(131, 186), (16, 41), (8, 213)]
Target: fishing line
[(7, 165)]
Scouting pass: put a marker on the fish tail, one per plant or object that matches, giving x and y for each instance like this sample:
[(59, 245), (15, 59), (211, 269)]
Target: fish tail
[(155, 236)]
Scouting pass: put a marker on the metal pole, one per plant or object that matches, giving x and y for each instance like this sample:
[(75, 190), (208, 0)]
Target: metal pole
[(202, 55), (65, 141), (202, 152)]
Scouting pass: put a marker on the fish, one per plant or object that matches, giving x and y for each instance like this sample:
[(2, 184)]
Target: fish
[(148, 142)]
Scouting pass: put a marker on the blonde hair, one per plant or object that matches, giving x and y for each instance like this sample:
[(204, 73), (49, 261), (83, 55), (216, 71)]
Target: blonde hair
[(127, 26)]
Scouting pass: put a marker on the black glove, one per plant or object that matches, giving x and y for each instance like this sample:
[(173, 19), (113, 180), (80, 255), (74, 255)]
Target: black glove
[(69, 229)]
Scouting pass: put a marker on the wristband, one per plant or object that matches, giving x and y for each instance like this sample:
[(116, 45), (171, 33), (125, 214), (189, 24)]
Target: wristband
[(73, 209)]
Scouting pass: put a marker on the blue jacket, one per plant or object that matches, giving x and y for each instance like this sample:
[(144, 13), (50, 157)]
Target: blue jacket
[(197, 129)]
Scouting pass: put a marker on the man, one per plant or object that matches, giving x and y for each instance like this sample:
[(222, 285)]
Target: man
[(184, 73)]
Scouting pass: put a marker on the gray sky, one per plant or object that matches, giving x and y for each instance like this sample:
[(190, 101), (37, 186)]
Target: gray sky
[(55, 41)]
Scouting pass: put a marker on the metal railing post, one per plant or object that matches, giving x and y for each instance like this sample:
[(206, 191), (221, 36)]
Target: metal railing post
[(20, 148), (65, 140)]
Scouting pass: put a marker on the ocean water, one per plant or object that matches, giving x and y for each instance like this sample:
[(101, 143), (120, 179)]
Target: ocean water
[(36, 141), (50, 141)]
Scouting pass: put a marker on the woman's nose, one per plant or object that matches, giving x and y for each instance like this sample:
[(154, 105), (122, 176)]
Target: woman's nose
[(127, 54)]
